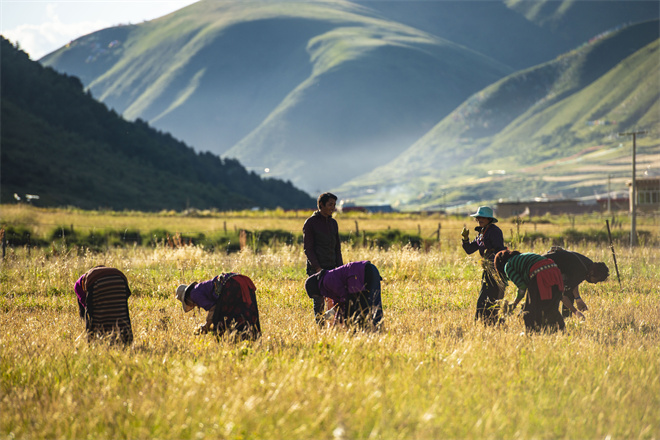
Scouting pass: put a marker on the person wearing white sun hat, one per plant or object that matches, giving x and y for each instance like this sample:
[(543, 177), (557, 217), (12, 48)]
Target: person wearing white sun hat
[(230, 302), (489, 241)]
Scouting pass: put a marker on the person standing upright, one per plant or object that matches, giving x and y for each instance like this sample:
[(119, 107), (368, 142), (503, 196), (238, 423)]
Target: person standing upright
[(321, 242), (489, 241)]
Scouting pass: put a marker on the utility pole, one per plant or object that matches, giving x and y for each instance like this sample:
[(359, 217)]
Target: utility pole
[(633, 195)]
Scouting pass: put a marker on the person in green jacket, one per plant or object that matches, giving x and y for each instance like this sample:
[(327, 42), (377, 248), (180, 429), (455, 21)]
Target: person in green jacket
[(540, 279)]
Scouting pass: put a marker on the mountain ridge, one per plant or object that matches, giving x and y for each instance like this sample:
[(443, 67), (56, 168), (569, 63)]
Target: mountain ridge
[(339, 46), (320, 93), (551, 123)]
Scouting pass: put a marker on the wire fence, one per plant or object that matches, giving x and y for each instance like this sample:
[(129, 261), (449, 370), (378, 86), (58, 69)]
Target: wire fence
[(233, 233)]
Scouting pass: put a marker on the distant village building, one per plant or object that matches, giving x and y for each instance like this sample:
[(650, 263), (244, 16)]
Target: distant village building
[(538, 208), (648, 200), (349, 206), (648, 194), (614, 201)]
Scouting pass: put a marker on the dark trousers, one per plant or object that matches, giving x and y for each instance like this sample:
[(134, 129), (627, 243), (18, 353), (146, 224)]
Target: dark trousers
[(487, 307), (542, 315)]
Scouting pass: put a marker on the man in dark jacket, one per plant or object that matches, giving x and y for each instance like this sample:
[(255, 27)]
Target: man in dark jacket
[(321, 242), (576, 268)]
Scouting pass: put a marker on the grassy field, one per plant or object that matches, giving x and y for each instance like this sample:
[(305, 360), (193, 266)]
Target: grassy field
[(431, 373), (43, 221)]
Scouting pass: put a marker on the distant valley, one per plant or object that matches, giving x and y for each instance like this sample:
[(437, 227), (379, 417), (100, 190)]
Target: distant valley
[(381, 101)]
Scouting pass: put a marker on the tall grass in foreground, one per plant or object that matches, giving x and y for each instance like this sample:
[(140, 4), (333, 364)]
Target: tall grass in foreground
[(432, 373)]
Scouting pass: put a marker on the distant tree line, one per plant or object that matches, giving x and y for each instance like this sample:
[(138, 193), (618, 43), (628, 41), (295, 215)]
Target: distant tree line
[(60, 143)]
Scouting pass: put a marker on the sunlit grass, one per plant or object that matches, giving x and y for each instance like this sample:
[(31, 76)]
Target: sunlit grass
[(431, 373), (43, 221)]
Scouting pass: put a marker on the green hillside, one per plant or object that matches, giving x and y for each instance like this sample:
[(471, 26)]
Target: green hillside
[(518, 33), (323, 92), (61, 144), (281, 84), (551, 129), (581, 20), (352, 110)]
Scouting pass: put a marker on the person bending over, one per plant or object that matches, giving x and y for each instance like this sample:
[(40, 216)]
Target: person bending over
[(576, 268), (103, 294), (230, 302), (538, 277), (355, 290)]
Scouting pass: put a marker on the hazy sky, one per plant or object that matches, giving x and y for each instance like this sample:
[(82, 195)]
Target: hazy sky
[(42, 26)]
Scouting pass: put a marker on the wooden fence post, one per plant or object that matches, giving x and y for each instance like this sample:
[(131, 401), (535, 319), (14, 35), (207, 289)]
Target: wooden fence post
[(242, 239), (616, 266)]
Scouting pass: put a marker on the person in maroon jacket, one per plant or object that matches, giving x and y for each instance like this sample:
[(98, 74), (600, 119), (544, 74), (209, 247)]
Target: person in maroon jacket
[(103, 294), (230, 302), (321, 243), (355, 290)]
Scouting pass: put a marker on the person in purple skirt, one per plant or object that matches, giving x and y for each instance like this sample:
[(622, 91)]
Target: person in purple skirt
[(354, 289)]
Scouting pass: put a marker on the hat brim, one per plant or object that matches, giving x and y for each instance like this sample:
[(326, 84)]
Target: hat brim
[(480, 215), (181, 293)]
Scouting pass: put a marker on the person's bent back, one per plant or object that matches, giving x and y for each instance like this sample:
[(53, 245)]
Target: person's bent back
[(103, 302)]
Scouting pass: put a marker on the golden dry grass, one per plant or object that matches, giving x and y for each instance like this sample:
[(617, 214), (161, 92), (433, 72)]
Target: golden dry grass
[(42, 221), (432, 373)]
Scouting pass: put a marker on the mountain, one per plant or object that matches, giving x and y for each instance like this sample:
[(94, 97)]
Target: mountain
[(281, 85), (548, 129), (61, 144), (572, 20), (320, 92), (517, 33), (489, 27)]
